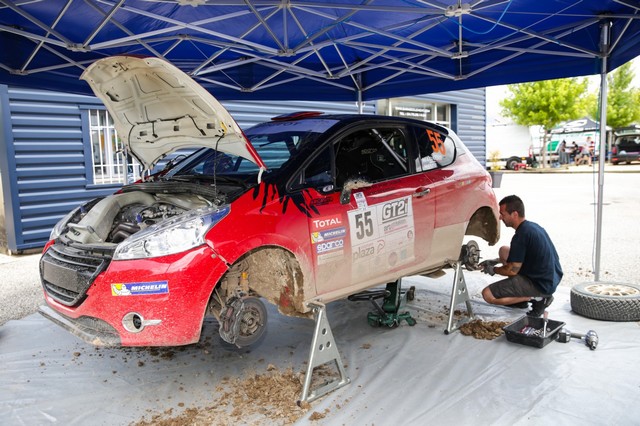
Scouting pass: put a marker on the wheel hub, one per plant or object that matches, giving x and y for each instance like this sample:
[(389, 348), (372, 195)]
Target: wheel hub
[(244, 321), (612, 290)]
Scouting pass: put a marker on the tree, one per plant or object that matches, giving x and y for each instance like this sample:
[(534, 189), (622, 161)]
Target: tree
[(545, 103), (623, 108)]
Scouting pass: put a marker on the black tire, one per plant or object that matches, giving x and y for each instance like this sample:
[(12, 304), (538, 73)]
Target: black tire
[(511, 163), (607, 301)]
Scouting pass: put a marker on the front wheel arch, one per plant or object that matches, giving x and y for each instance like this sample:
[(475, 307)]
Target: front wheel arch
[(484, 224), (270, 272)]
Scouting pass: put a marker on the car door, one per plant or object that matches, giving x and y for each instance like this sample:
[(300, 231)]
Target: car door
[(373, 221), (437, 154)]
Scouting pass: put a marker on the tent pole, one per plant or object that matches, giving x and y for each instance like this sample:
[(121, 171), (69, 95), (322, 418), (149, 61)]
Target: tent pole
[(360, 103), (604, 49)]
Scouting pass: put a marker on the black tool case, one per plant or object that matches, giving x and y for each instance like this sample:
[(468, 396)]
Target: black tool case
[(515, 331)]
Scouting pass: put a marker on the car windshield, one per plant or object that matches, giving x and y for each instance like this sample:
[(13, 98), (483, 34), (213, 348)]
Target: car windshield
[(276, 143)]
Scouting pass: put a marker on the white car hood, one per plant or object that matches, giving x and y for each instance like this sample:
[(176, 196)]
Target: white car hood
[(157, 109)]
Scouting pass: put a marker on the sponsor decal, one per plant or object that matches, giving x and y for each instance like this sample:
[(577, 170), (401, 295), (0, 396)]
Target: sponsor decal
[(361, 200), (382, 235), (363, 251), (329, 234), (139, 289), (320, 201), (326, 222), (395, 209), (333, 256), (329, 246), (395, 225)]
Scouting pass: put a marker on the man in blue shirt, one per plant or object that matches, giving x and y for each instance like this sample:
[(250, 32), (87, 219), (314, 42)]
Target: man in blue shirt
[(531, 263)]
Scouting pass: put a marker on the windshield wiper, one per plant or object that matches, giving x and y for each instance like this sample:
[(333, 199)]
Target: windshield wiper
[(187, 178)]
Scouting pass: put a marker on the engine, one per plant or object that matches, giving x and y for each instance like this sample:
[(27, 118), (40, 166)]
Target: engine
[(115, 218)]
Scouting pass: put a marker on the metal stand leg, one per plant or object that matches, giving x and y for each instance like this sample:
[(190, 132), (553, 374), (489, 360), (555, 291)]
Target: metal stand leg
[(459, 294), (323, 350)]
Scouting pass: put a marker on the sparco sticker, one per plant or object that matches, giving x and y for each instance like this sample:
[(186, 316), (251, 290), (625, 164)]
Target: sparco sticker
[(139, 289), (329, 246)]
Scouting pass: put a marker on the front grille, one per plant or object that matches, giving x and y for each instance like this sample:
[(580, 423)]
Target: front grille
[(67, 273)]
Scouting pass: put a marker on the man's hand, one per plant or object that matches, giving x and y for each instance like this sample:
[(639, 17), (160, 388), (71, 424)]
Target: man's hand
[(488, 266)]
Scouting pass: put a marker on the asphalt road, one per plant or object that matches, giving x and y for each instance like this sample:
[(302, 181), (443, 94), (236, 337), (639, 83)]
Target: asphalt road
[(563, 203)]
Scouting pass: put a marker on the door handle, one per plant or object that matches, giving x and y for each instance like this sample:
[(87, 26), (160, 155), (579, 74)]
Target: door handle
[(421, 192)]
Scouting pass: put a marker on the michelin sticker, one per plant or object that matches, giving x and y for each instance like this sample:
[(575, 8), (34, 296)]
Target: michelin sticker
[(139, 289), (382, 236)]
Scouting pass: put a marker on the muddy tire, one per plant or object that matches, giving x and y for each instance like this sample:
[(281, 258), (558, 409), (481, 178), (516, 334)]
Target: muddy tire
[(607, 301)]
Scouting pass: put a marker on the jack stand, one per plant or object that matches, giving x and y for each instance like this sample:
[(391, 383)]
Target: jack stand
[(323, 350), (459, 294), (388, 314)]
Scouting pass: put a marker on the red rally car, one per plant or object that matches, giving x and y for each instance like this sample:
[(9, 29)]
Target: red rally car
[(306, 207)]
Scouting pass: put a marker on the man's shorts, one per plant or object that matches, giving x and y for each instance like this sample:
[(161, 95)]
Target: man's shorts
[(515, 286)]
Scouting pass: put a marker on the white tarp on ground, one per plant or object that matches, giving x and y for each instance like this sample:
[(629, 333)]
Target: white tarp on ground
[(408, 375)]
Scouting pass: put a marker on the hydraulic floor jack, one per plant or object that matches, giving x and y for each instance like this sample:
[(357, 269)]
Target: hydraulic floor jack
[(388, 312)]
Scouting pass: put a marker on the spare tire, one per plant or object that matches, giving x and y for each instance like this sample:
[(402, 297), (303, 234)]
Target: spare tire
[(607, 301)]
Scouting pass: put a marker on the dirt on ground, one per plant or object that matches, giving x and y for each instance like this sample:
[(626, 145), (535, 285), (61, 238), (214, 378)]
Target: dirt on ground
[(269, 398), (485, 330)]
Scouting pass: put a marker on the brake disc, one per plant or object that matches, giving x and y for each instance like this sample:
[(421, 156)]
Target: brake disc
[(470, 255), (244, 321)]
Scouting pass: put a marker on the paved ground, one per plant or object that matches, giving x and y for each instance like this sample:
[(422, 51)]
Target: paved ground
[(563, 202)]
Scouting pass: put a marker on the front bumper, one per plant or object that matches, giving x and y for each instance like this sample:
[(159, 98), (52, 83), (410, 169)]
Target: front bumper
[(91, 330), (145, 302)]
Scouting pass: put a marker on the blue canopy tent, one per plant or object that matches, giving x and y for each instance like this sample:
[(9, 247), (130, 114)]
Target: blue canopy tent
[(349, 50), (333, 50)]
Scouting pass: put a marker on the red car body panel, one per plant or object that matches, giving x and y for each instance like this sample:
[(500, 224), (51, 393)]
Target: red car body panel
[(334, 243), (190, 277)]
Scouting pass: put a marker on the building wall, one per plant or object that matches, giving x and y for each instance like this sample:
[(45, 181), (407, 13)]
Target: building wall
[(45, 151)]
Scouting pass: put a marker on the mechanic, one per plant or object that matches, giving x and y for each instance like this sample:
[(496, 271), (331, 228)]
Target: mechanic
[(531, 264)]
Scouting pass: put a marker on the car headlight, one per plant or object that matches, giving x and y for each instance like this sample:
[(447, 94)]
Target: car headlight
[(171, 236)]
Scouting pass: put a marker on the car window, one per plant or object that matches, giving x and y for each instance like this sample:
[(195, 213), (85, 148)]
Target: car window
[(630, 142), (278, 141), (318, 173), (371, 155), (435, 149), (275, 149)]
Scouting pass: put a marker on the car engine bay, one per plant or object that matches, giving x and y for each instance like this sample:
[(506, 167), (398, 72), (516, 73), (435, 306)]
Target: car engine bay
[(111, 220)]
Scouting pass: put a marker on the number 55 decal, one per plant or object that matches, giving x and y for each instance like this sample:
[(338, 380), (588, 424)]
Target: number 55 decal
[(364, 225), (437, 144)]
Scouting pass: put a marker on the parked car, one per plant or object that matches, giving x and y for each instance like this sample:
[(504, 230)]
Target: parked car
[(306, 207), (626, 147)]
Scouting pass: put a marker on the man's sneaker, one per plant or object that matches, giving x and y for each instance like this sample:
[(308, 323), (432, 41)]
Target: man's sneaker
[(538, 306), (520, 305)]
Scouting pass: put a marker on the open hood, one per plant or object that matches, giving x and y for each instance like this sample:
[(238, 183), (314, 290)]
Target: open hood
[(157, 109)]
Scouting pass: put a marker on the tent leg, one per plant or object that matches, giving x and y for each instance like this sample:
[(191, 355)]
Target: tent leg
[(459, 294), (323, 350)]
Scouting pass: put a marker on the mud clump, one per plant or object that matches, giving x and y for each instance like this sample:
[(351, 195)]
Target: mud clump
[(484, 330), (269, 398)]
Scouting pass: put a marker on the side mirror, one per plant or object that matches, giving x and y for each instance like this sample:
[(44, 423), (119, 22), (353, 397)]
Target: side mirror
[(345, 195)]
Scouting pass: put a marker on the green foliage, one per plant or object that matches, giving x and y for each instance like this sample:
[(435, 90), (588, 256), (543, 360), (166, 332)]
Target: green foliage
[(623, 106), (546, 103)]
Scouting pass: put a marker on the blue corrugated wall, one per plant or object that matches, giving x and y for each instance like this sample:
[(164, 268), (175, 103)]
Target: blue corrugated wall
[(43, 162)]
